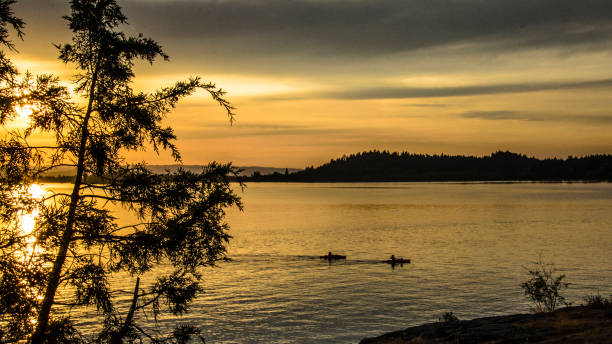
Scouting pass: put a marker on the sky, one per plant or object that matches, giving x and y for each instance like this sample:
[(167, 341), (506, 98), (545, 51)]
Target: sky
[(315, 79)]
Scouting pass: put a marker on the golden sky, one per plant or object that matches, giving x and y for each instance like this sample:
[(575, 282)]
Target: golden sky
[(316, 79)]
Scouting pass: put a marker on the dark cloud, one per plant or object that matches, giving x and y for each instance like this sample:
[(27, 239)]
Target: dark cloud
[(400, 92), (539, 117), (434, 92), (328, 36), (372, 27)]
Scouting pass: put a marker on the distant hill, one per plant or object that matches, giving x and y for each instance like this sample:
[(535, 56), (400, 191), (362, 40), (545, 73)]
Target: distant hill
[(379, 166)]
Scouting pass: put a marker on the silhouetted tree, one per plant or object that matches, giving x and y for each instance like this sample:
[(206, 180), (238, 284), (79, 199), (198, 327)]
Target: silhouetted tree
[(76, 241)]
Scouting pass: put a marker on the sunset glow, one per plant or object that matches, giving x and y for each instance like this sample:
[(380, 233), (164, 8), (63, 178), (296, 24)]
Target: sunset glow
[(24, 113), (305, 171), (310, 86)]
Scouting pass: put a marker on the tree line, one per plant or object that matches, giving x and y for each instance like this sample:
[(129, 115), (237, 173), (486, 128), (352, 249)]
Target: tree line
[(385, 166)]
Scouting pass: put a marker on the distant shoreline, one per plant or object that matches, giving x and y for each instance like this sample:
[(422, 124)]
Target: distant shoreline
[(70, 179), (388, 167), (436, 181)]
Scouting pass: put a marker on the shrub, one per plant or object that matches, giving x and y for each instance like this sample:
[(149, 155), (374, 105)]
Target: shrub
[(544, 287), (448, 317), (598, 301)]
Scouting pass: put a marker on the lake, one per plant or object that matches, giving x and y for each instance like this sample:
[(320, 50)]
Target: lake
[(470, 245)]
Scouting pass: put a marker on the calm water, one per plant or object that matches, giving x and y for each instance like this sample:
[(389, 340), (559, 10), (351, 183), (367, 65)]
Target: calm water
[(469, 244)]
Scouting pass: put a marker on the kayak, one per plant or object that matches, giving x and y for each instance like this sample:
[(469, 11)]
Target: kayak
[(397, 261), (333, 256)]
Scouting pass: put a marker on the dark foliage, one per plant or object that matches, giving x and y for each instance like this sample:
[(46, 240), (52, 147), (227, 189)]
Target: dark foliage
[(598, 301), (76, 242), (383, 166), (544, 287), (8, 73), (448, 317)]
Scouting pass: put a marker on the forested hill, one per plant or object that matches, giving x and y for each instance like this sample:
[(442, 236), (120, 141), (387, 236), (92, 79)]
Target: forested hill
[(377, 166)]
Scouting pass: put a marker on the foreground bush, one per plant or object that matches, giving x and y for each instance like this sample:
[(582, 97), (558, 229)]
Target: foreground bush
[(544, 287)]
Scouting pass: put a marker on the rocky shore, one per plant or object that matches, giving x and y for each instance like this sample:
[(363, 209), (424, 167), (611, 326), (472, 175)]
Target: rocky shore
[(580, 324)]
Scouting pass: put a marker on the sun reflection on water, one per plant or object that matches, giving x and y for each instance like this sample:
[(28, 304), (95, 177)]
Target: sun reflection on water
[(28, 220)]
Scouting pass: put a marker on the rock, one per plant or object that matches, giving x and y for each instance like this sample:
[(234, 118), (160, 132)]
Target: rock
[(567, 325)]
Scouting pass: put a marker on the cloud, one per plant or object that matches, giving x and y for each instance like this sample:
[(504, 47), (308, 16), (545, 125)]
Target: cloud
[(539, 117), (427, 105), (354, 26), (374, 27), (496, 115), (323, 36), (250, 130), (403, 92)]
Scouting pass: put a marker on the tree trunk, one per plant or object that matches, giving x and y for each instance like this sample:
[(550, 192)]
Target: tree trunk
[(130, 316), (60, 258)]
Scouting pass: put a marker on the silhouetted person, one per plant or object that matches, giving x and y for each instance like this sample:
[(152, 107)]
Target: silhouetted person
[(330, 256), (392, 258)]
